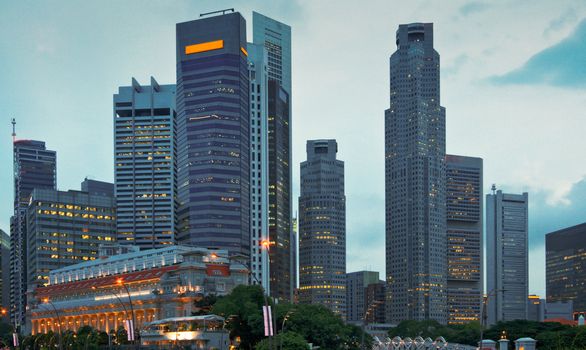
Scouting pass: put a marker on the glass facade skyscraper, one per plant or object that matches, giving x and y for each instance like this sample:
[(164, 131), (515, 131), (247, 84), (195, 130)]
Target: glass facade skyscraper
[(415, 180), (213, 134), (565, 257), (322, 228), (276, 38), (34, 167), (465, 258), (145, 164), (507, 256)]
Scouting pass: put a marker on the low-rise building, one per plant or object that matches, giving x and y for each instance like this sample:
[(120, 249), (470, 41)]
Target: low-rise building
[(205, 332), (143, 286)]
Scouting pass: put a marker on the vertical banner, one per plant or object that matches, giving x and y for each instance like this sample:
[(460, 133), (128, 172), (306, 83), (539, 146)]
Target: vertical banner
[(15, 339), (129, 329), (268, 320)]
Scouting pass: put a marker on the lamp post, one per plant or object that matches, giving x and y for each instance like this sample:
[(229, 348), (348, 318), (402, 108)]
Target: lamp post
[(289, 313), (47, 301), (120, 282), (483, 315)]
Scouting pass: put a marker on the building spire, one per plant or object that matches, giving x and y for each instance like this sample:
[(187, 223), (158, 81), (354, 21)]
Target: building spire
[(13, 130)]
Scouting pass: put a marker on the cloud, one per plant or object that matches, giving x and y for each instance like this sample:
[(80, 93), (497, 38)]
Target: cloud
[(556, 24), (560, 65), (545, 217), (473, 7)]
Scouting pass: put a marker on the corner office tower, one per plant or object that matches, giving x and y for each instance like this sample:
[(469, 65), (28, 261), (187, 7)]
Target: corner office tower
[(213, 133), (415, 182)]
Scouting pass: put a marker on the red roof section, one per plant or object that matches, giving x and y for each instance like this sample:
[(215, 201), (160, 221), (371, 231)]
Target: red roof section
[(106, 281), (562, 321)]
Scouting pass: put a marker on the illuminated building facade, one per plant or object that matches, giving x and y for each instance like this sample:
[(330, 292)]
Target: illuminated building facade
[(145, 164), (276, 38), (213, 133), (375, 302), (65, 228), (507, 278), (565, 252), (464, 209), (4, 273), (34, 167), (356, 284), (259, 162), (162, 283), (322, 228), (415, 188)]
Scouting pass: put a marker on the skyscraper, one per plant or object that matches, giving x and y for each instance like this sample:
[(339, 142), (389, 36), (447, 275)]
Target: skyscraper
[(322, 228), (506, 256), (415, 180), (145, 164), (213, 133), (65, 228), (259, 165), (276, 38), (356, 284), (565, 274), (34, 167), (465, 257)]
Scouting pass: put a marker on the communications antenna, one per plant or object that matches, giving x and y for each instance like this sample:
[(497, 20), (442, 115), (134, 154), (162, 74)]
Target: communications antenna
[(13, 130)]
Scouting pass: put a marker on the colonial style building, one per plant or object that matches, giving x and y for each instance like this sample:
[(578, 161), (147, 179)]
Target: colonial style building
[(142, 286)]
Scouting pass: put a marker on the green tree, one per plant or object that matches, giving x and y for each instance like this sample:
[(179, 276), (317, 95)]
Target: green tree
[(290, 341), (243, 307)]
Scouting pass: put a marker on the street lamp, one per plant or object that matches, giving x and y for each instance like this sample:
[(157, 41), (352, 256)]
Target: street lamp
[(483, 315), (120, 282), (289, 313), (47, 301)]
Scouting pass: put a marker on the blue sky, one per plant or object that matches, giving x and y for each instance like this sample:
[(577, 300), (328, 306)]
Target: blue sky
[(513, 83)]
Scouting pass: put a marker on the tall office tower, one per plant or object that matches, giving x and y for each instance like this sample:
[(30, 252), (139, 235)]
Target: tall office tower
[(145, 164), (65, 228), (276, 38), (416, 259), (34, 167), (213, 133), (5, 273), (259, 170), (565, 254), (356, 284), (322, 228), (506, 256), (465, 257)]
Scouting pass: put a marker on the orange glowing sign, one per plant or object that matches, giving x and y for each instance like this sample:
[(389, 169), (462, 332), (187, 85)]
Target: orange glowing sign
[(203, 47), (244, 51)]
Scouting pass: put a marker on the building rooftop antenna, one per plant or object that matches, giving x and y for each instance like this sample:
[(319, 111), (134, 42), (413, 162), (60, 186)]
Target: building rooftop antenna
[(493, 188), (13, 130), (214, 12)]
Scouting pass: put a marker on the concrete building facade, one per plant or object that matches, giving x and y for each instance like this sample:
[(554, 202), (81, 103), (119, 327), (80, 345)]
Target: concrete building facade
[(322, 228), (145, 164), (259, 165), (275, 37), (65, 228), (415, 188), (464, 208), (507, 255), (35, 167), (356, 284)]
